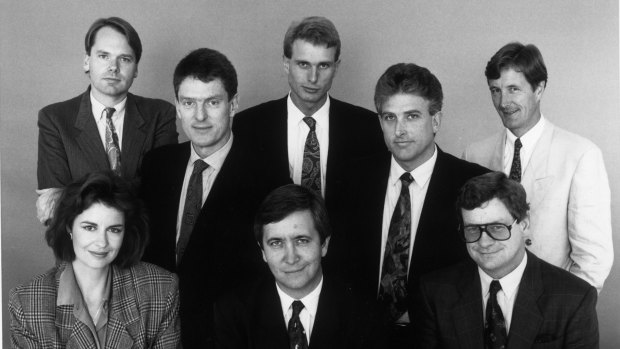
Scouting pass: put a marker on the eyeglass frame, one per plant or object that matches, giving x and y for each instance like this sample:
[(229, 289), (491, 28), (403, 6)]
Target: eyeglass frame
[(483, 228)]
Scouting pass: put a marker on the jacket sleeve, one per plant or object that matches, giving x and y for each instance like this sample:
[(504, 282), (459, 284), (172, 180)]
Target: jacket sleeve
[(52, 166), (589, 220), (170, 326), (582, 328), (21, 337)]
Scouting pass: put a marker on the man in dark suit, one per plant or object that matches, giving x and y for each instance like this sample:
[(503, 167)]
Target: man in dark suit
[(105, 127), (308, 135), (508, 298), (299, 307), (201, 196), (399, 220)]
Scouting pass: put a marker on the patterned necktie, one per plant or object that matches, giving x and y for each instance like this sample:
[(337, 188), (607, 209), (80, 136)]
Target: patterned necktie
[(311, 168), (112, 148), (515, 169), (393, 288), (193, 205), (296, 332), (495, 336)]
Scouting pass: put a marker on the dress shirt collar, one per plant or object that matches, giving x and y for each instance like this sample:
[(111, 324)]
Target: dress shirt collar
[(310, 301), (529, 139), (421, 174), (296, 116), (98, 108), (509, 283), (215, 160)]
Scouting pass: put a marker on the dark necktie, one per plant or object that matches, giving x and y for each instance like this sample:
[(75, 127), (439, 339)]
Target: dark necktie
[(393, 288), (193, 205), (112, 148), (495, 336), (311, 168), (515, 169), (296, 332)]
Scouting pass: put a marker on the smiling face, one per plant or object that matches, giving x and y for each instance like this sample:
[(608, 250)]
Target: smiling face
[(206, 114), (496, 258), (111, 65), (516, 103), (310, 70), (97, 234), (292, 248), (409, 129)]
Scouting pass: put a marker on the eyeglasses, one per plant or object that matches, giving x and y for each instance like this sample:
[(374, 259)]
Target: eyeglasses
[(497, 231)]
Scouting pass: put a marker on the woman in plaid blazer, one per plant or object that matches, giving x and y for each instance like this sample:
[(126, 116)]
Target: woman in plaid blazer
[(99, 295)]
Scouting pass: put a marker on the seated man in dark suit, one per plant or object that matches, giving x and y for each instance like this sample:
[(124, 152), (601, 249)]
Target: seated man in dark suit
[(399, 219), (508, 298), (301, 308), (201, 196), (308, 135), (105, 127)]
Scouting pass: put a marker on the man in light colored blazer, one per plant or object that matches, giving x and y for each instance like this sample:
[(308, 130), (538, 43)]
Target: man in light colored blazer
[(563, 173)]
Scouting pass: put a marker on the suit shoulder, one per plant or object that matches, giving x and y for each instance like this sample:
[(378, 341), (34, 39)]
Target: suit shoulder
[(559, 281), (151, 102), (483, 146), (149, 274), (352, 110), (258, 110), (464, 168), (447, 276), (40, 287), (572, 142), (59, 109), (166, 151)]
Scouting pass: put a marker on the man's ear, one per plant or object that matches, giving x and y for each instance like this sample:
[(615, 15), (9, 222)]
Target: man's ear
[(540, 89), (325, 246), (234, 105), (437, 121), (286, 62), (86, 64)]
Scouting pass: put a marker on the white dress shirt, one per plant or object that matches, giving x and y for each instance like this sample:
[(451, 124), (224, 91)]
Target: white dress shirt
[(297, 132), (528, 142), (118, 119), (507, 295), (307, 314), (215, 162)]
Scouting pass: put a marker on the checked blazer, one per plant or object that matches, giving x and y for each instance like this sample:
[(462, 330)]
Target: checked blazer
[(553, 309), (143, 312), (70, 145)]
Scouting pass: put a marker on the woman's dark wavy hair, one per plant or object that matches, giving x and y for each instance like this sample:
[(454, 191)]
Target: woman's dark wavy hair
[(109, 190)]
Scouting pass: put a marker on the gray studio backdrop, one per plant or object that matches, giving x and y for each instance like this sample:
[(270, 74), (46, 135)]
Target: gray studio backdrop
[(42, 51)]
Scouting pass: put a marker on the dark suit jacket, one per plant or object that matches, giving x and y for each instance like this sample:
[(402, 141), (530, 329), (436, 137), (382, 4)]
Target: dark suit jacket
[(143, 312), (553, 309), (357, 248), (222, 252), (252, 318), (353, 132), (70, 145)]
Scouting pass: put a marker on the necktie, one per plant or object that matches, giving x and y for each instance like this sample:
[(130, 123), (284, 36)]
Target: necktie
[(193, 205), (311, 168), (515, 169), (495, 336), (393, 288), (296, 332), (112, 148)]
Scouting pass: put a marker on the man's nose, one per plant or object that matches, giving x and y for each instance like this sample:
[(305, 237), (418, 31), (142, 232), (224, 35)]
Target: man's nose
[(290, 251), (313, 75)]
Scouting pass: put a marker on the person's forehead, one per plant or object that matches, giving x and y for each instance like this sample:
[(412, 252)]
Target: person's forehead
[(307, 48), (298, 223), (193, 87), (493, 210)]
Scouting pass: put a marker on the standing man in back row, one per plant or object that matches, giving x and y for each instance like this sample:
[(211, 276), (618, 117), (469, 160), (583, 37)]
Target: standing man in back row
[(106, 127), (308, 135), (563, 173)]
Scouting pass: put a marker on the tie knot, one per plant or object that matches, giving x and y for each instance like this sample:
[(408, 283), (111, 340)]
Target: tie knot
[(518, 144), (109, 112), (310, 122), (406, 179), (297, 307), (495, 287), (199, 166)]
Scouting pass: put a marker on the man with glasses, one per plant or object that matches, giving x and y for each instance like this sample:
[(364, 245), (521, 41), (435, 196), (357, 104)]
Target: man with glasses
[(522, 300)]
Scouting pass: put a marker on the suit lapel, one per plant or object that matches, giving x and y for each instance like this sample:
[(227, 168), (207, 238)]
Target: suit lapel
[(87, 135), (277, 139), (270, 331), (123, 324), (376, 189), (326, 324), (133, 137), (468, 318), (535, 179), (526, 316)]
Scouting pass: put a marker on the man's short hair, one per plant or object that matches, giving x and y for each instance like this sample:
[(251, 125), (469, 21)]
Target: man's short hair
[(486, 187), (286, 200), (121, 26), (315, 30), (206, 65), (412, 79), (107, 189), (526, 59)]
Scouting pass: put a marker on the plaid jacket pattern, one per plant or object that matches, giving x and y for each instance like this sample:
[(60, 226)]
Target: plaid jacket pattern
[(144, 308)]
